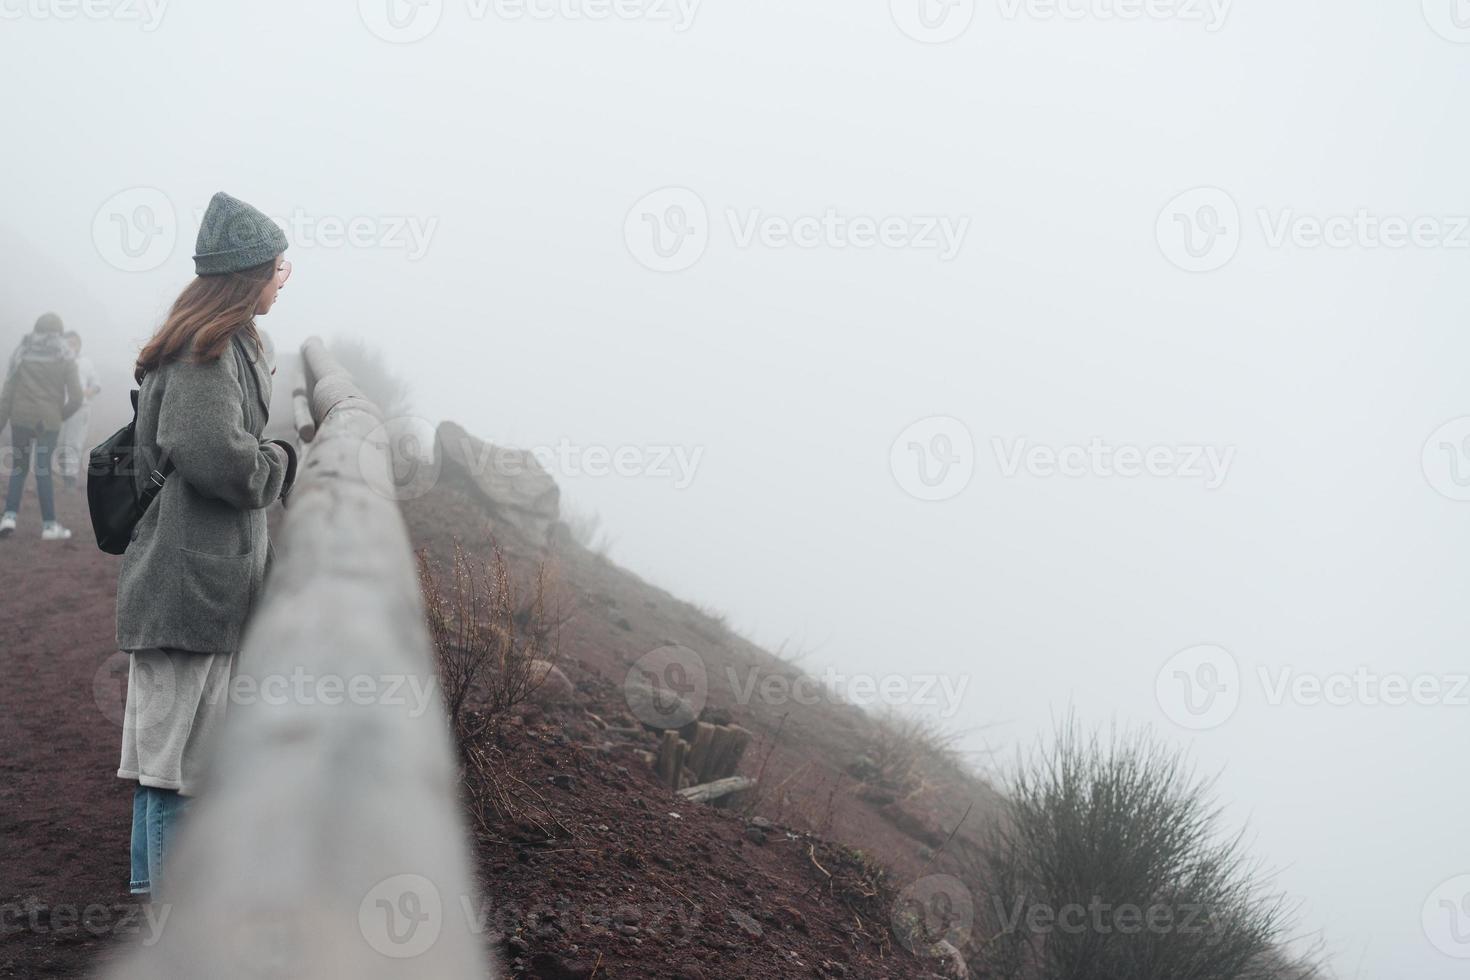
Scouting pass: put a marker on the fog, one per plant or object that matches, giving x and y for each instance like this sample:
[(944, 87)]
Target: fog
[(886, 324)]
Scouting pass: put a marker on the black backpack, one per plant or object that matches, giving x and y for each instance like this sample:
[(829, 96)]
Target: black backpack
[(116, 501)]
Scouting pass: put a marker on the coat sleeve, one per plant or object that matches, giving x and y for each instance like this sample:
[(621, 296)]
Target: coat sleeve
[(73, 391), (201, 430)]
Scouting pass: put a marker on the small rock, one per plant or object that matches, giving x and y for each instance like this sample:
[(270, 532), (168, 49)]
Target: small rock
[(551, 686), (746, 924)]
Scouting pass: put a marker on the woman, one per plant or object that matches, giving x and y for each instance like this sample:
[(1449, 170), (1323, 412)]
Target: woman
[(198, 557)]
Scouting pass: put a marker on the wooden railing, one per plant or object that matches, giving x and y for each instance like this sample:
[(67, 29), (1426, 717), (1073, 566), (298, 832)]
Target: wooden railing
[(328, 841)]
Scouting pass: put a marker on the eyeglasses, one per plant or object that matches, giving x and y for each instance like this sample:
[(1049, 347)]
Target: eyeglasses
[(283, 272)]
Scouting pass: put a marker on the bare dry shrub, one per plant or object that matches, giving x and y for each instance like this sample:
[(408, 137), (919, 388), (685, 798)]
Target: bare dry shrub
[(487, 638), (1109, 863), (901, 754)]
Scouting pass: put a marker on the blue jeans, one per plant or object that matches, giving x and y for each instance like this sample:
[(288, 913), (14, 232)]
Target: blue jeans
[(155, 815), (22, 439)]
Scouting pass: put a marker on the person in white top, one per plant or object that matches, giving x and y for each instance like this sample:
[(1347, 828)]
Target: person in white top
[(71, 455)]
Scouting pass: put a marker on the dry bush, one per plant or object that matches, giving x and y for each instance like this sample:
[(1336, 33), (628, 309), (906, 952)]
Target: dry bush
[(487, 639), (900, 754), (1108, 863)]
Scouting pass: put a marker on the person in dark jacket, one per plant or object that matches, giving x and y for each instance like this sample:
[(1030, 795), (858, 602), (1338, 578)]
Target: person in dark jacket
[(197, 559), (41, 391)]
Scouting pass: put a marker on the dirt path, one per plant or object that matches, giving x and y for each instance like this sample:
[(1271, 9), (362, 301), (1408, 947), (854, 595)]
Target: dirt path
[(64, 814)]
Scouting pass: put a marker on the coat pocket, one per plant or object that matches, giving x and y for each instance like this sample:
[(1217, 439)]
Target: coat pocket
[(216, 593)]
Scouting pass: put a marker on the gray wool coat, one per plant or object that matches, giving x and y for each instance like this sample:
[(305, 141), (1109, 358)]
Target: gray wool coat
[(198, 558)]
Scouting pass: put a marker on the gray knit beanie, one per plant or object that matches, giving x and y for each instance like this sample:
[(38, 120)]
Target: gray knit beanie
[(234, 236), (48, 323)]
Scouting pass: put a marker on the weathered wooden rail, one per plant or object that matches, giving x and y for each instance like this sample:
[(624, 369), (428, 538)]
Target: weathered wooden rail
[(329, 841)]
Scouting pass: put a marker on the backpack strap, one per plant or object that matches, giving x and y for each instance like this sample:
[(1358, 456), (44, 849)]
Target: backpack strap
[(158, 475)]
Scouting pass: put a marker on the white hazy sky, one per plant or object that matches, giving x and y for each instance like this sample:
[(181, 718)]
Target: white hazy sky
[(516, 148)]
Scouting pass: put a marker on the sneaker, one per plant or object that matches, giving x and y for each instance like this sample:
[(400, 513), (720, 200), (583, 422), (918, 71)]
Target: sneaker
[(7, 524), (52, 531)]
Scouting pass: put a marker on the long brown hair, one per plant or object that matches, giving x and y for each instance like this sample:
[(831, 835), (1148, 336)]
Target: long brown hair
[(209, 311)]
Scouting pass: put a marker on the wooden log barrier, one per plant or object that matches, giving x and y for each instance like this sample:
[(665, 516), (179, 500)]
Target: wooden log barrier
[(329, 840)]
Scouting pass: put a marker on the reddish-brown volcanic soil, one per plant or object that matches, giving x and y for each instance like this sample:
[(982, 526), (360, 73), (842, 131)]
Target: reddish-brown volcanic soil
[(64, 814), (591, 874)]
